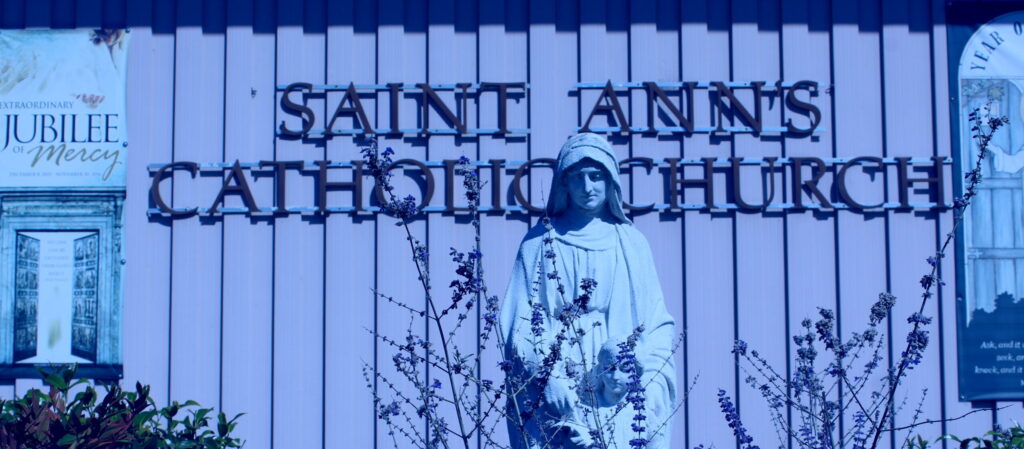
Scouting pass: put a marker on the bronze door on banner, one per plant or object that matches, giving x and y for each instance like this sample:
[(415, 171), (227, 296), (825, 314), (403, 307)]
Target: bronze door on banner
[(83, 315), (26, 297)]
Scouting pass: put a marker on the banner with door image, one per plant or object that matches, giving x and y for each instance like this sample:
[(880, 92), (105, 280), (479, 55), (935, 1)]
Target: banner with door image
[(62, 189)]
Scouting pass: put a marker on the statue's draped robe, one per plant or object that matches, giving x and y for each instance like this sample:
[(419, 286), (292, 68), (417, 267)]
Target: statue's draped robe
[(627, 295)]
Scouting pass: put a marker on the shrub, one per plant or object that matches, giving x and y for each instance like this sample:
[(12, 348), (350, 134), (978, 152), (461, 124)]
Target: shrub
[(120, 420), (1012, 438)]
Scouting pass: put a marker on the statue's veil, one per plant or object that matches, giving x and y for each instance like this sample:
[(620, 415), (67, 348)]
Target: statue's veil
[(579, 147)]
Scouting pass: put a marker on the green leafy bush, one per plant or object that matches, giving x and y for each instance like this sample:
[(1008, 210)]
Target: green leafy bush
[(120, 420), (1012, 438)]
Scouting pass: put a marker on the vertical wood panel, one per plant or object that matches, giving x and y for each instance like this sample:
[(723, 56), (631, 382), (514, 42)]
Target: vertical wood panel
[(859, 132), (63, 13), (654, 56), (196, 252), (298, 259), (907, 77), (811, 239), (150, 125), (37, 14), (759, 237), (401, 58), (13, 14), (708, 237), (349, 245), (503, 56), (88, 13), (148, 102), (451, 58), (248, 243), (553, 70), (604, 56)]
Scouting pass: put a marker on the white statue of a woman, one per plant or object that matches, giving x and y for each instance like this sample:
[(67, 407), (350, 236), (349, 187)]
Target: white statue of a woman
[(588, 237)]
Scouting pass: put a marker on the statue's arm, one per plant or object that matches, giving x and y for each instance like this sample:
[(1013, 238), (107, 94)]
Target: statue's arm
[(659, 325), (521, 345), (513, 308), (657, 359)]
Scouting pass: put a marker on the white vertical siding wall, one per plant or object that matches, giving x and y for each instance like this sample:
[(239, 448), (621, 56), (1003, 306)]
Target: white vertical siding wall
[(273, 316), (150, 106), (811, 245), (197, 245), (859, 122), (350, 247), (299, 252), (708, 244), (246, 383), (760, 295), (401, 58), (906, 51), (503, 55), (654, 56)]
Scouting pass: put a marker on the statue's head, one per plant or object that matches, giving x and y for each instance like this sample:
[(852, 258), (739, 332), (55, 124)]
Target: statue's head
[(586, 179), (611, 381), (587, 183)]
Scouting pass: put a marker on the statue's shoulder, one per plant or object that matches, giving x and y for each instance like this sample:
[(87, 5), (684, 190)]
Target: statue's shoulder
[(635, 237), (627, 230)]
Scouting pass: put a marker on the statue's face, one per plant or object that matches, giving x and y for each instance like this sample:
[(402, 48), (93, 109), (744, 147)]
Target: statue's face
[(587, 183), (616, 382)]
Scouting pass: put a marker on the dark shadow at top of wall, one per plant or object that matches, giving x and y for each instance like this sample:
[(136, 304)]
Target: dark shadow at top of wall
[(964, 12), (314, 16)]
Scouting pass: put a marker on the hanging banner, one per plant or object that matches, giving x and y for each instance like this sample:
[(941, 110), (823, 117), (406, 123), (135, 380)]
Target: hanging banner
[(62, 99), (62, 188), (990, 286)]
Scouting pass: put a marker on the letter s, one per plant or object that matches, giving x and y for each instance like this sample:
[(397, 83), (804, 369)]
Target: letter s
[(796, 105), (297, 109)]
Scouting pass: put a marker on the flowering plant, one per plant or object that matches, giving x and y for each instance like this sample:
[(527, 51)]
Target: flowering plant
[(812, 392)]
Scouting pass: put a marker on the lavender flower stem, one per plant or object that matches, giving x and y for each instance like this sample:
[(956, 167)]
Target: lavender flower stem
[(425, 283), (983, 139)]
